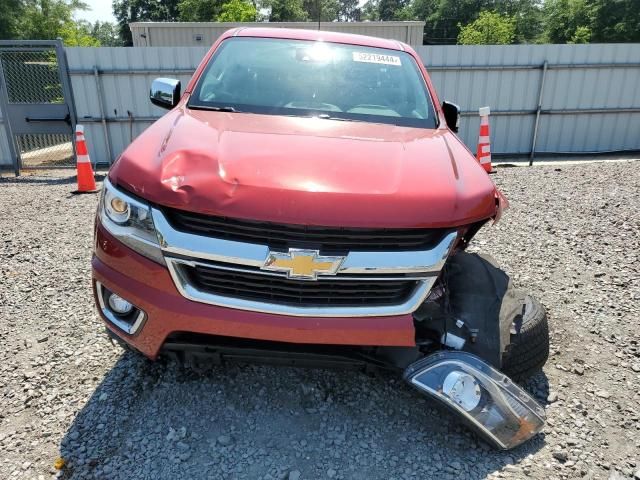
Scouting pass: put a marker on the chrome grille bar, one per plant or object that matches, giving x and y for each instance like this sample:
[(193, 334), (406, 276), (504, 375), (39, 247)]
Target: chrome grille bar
[(187, 250), (249, 254), (192, 292)]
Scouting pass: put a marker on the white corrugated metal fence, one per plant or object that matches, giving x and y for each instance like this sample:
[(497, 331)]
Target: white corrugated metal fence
[(113, 83), (590, 101)]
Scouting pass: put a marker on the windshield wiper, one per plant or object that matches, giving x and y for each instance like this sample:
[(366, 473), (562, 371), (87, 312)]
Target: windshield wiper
[(326, 116), (215, 109)]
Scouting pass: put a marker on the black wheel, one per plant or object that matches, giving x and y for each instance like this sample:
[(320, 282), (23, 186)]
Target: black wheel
[(510, 326), (528, 350)]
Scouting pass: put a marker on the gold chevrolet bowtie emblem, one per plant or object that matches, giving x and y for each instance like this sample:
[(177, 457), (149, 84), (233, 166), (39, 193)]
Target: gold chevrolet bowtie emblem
[(303, 264)]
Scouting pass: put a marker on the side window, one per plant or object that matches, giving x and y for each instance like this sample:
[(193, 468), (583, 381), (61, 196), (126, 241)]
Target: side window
[(212, 77)]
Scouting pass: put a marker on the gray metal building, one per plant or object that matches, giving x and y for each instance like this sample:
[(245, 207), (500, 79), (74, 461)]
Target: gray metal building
[(187, 34)]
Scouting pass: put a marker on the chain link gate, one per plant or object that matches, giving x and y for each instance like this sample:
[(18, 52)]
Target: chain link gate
[(37, 104)]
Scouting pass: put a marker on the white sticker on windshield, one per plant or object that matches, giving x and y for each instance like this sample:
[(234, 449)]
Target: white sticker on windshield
[(376, 58)]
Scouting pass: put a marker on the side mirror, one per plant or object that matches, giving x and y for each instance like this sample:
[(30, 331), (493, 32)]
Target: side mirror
[(451, 115), (165, 92)]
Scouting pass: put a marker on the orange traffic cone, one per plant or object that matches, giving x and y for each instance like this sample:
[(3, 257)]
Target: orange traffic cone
[(86, 180), (484, 141)]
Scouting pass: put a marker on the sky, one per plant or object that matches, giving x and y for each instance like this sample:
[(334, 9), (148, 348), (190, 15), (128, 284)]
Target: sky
[(98, 10)]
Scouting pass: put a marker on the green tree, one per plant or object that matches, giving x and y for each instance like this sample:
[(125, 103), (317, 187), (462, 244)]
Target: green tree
[(563, 18), (348, 11), (287, 11), (581, 35), (128, 11), (580, 21), (332, 10), (199, 10), (444, 18), (614, 20), (329, 10), (528, 18), (489, 29), (391, 9), (370, 11), (78, 34), (237, 11), (46, 19), (106, 33), (10, 13), (424, 9)]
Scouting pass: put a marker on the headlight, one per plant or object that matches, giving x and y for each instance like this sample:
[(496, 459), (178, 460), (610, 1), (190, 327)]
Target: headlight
[(130, 221), (116, 207), (488, 401)]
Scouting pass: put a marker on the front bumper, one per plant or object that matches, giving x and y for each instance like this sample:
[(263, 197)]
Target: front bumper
[(504, 415), (149, 287)]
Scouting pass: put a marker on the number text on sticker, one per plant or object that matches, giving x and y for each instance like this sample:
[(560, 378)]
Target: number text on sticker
[(376, 58)]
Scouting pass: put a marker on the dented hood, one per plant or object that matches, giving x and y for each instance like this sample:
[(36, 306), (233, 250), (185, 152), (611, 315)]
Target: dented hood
[(306, 171)]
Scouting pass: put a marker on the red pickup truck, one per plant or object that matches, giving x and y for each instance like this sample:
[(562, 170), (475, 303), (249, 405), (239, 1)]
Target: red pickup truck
[(306, 201)]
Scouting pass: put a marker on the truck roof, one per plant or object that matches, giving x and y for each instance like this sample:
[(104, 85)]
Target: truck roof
[(301, 34)]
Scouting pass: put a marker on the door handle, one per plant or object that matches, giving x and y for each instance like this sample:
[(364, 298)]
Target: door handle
[(66, 119)]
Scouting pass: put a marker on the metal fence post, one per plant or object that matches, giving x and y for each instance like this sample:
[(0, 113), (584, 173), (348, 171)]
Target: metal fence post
[(4, 101), (538, 109), (67, 88), (103, 119)]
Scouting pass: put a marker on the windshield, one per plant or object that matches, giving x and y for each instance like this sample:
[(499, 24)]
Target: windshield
[(306, 78)]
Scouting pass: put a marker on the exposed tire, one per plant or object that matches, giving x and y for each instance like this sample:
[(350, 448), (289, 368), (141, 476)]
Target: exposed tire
[(511, 327), (529, 347)]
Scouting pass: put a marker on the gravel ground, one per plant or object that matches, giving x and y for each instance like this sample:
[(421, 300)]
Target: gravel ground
[(572, 236)]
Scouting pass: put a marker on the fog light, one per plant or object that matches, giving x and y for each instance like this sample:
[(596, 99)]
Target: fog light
[(119, 305), (118, 311), (488, 401), (462, 389)]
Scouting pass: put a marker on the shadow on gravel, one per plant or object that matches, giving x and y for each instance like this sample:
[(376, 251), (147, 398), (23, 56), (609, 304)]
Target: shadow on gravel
[(46, 180), (158, 420)]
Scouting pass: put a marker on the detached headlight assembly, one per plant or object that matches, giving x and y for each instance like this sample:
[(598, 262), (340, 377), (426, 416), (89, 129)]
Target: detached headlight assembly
[(130, 221), (486, 400)]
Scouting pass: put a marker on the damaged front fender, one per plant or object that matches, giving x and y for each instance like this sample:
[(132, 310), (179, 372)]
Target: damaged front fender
[(477, 310)]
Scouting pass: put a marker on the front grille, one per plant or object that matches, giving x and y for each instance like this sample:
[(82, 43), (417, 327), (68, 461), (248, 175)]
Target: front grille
[(335, 240), (285, 291)]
